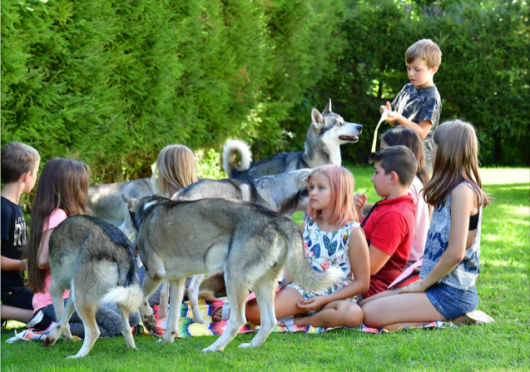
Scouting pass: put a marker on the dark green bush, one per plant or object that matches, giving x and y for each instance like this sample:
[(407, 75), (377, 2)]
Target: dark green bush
[(483, 78)]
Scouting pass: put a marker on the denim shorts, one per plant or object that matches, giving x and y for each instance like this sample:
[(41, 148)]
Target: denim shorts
[(452, 302)]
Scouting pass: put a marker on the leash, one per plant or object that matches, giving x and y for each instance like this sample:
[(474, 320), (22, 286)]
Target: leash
[(383, 118), (368, 215)]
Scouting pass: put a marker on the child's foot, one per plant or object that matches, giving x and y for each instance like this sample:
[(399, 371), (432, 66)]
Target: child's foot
[(474, 317), (221, 313)]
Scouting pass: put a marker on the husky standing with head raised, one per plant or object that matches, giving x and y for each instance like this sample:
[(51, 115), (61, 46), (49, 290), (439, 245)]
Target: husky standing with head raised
[(96, 261), (247, 241), (322, 146)]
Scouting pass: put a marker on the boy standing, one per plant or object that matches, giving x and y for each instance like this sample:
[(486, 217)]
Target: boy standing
[(20, 164), (389, 227), (418, 105)]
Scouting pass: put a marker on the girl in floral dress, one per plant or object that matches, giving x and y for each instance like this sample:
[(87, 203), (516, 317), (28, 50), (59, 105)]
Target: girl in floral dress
[(332, 237)]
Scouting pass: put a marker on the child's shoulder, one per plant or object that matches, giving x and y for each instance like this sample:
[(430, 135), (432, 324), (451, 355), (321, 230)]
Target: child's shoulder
[(9, 208)]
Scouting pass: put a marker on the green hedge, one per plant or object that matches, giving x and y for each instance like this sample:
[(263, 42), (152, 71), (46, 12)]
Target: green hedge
[(112, 82)]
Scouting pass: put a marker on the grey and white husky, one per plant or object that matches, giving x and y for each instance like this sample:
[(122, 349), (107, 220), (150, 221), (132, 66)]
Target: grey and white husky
[(250, 243), (326, 133), (106, 202), (284, 193), (96, 261)]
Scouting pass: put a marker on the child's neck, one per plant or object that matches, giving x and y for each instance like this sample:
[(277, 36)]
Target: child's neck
[(12, 192), (397, 192), (325, 225)]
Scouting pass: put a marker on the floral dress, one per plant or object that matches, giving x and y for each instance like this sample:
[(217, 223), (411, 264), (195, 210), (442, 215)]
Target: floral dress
[(325, 249)]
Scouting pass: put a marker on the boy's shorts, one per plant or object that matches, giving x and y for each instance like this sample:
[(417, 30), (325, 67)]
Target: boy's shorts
[(19, 297)]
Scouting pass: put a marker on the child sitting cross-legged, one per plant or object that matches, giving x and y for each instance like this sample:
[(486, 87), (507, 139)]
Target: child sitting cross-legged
[(389, 226), (451, 264), (332, 238)]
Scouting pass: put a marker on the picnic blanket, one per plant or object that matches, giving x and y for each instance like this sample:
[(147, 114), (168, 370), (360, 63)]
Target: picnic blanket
[(187, 328)]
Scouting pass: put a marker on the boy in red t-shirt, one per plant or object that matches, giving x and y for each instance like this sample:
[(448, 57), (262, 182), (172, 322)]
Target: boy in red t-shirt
[(389, 227)]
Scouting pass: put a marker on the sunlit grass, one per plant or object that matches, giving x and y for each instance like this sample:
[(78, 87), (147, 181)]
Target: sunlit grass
[(503, 288)]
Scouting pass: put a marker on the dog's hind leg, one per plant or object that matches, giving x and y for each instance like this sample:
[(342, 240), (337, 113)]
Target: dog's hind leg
[(237, 294), (127, 330), (193, 294), (149, 287), (177, 293), (86, 309), (164, 300), (265, 294)]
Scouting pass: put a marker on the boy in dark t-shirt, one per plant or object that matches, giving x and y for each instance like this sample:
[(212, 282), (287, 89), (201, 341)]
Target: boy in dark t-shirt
[(20, 164), (418, 105), (389, 227)]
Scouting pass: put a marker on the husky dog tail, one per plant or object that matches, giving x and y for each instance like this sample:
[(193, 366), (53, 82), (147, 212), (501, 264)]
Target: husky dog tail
[(296, 263), (230, 149), (128, 293)]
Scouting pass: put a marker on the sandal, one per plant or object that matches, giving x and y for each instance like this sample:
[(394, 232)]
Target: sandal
[(478, 317), (225, 314)]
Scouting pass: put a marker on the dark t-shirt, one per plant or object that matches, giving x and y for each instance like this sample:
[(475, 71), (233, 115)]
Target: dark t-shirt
[(14, 241), (420, 105)]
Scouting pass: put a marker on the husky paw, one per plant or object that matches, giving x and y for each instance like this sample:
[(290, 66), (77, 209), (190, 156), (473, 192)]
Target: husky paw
[(211, 349), (149, 323), (200, 321), (75, 356), (245, 346)]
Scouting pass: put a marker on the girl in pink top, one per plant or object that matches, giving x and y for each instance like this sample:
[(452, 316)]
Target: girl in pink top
[(62, 192)]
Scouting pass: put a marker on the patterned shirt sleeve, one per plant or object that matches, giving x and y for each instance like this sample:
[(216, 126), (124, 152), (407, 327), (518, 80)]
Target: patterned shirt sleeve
[(430, 110)]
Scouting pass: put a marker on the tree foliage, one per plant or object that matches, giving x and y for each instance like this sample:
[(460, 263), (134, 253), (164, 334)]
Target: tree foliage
[(113, 81)]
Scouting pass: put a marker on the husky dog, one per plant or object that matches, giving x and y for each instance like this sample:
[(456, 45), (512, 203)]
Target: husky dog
[(96, 261), (283, 193), (247, 241), (106, 202), (322, 146)]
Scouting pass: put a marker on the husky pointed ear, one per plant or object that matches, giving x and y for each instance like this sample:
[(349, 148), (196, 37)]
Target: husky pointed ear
[(327, 109), (304, 181), (131, 203), (317, 118)]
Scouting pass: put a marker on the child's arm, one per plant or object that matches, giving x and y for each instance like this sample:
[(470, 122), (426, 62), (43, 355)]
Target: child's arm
[(43, 257), (9, 264), (358, 256), (463, 201), (378, 259), (422, 128)]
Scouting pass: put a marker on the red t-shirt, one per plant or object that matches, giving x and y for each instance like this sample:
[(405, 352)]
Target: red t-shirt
[(390, 228)]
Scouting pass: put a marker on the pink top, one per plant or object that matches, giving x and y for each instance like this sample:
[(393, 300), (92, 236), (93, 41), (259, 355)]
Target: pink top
[(41, 300), (422, 220)]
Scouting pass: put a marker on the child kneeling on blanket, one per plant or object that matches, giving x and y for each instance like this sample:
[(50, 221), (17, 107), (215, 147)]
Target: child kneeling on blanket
[(332, 237)]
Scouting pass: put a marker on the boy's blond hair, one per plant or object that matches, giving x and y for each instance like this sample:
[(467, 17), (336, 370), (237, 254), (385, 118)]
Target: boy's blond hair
[(427, 50), (17, 159)]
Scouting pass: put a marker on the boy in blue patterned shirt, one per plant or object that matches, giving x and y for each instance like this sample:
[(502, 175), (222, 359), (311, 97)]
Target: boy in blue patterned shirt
[(418, 105)]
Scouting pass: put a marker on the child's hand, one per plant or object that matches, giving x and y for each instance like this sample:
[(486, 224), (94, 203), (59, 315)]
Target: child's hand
[(393, 117), (358, 201), (413, 287), (313, 303), (386, 107)]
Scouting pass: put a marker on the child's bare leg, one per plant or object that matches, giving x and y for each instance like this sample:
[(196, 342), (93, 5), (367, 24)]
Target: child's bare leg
[(284, 305), (404, 310), (383, 294), (335, 314)]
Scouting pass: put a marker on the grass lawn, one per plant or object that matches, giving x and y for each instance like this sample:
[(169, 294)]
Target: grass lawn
[(502, 285)]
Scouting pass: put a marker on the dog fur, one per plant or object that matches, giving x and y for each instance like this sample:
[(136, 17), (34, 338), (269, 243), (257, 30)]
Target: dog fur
[(322, 146), (247, 241), (96, 261), (106, 202)]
